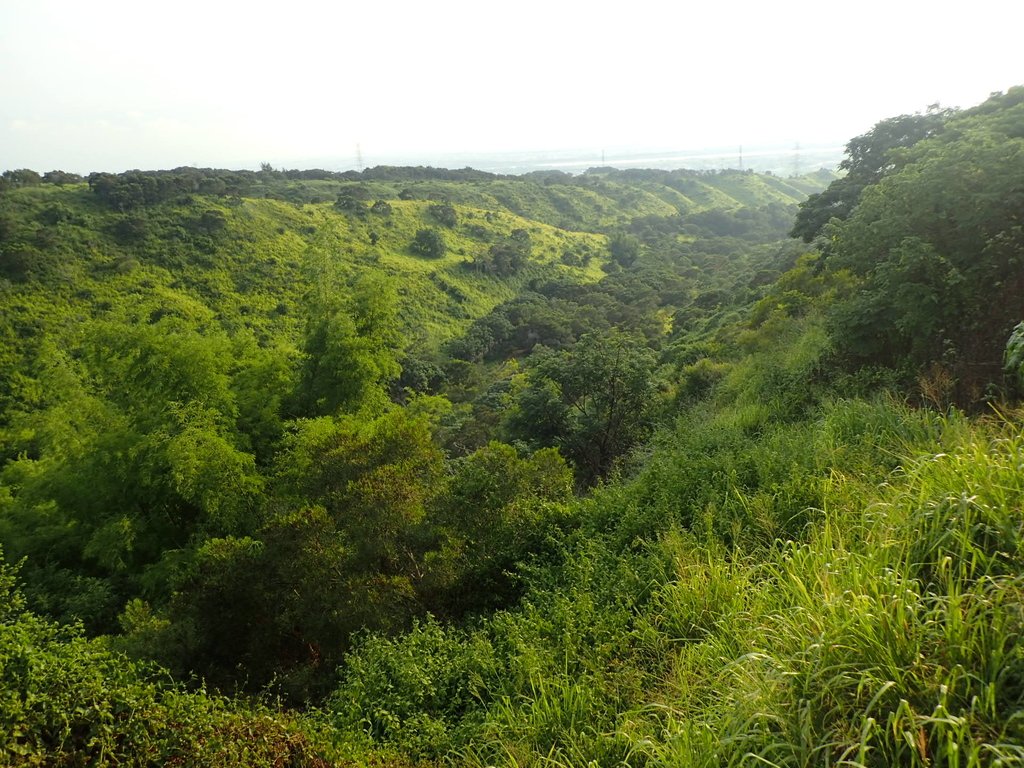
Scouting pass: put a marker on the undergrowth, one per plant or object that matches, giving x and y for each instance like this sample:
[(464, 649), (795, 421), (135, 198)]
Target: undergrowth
[(846, 590)]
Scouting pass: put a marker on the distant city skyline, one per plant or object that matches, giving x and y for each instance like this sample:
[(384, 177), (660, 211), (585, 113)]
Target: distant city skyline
[(112, 85)]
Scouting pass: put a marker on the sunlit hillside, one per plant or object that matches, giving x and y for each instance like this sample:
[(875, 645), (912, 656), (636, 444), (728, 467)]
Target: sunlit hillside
[(424, 467)]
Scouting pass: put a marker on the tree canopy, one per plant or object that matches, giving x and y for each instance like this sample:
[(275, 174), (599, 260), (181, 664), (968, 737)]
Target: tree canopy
[(869, 157)]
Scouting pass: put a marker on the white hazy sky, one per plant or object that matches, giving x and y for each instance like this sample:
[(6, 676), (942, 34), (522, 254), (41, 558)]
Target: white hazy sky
[(108, 85)]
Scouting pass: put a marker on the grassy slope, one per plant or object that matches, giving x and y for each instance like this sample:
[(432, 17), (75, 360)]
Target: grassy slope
[(604, 200), (256, 272)]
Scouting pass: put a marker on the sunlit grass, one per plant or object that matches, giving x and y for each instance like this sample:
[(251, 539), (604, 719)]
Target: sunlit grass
[(883, 629)]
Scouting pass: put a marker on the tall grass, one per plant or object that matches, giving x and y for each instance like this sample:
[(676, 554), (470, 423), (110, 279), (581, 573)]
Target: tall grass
[(889, 637)]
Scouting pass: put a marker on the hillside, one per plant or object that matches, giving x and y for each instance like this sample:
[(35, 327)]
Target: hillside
[(427, 467)]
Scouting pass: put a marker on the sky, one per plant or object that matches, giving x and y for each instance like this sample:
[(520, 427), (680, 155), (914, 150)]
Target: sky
[(110, 85)]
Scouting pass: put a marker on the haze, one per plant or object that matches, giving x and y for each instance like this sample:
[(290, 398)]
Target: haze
[(118, 85)]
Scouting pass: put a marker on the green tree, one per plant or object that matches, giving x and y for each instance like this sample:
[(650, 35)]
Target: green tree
[(492, 517), (373, 476), (869, 157), (507, 257), (133, 456), (624, 249), (22, 177), (352, 348), (444, 214), (60, 178), (936, 247), (343, 550), (429, 243), (592, 401), (349, 203)]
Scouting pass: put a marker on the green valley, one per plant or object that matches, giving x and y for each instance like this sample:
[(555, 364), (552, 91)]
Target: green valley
[(417, 467)]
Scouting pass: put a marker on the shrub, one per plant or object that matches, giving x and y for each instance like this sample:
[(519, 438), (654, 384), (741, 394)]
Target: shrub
[(68, 701), (429, 243)]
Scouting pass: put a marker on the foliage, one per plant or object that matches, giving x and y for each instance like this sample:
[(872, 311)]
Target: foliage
[(591, 401), (381, 208), (352, 496), (60, 178), (413, 691), (495, 514), (22, 177), (429, 243), (1013, 358), (508, 256), (556, 314), (351, 350), (164, 331), (215, 456), (855, 640), (444, 214), (869, 158), (69, 701), (348, 203), (936, 245), (624, 249)]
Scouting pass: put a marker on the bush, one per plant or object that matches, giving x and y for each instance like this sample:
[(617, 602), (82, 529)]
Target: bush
[(381, 208), (412, 692), (445, 214), (67, 701), (429, 243)]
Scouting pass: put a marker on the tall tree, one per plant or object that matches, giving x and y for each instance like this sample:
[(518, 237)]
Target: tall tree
[(869, 157), (352, 348), (591, 401), (937, 246)]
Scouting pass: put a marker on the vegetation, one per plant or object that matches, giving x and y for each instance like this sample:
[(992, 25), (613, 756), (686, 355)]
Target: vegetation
[(70, 701), (420, 467)]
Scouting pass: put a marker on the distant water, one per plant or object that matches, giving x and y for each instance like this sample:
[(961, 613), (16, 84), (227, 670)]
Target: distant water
[(782, 161)]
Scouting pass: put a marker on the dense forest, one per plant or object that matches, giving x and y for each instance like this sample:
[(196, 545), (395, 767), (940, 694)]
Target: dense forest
[(416, 466)]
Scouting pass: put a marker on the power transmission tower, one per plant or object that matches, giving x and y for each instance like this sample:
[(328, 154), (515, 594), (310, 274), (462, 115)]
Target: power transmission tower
[(796, 159), (741, 157), (359, 157)]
